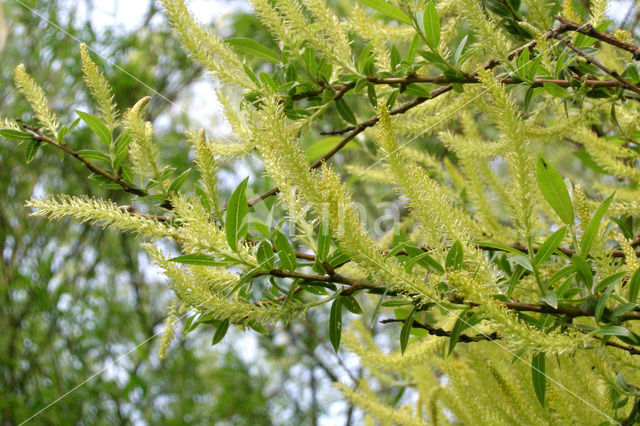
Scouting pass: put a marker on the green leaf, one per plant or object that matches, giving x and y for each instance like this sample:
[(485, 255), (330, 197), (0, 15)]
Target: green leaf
[(554, 191), (547, 248), (265, 256), (235, 222), (583, 269), (335, 323), (624, 385), (602, 302), (351, 304), (501, 247), (555, 90), (251, 47), (454, 257), (411, 55), (634, 286), (121, 151), (622, 309), (464, 321), (285, 251), (199, 259), (376, 311), (15, 135), (613, 330), (426, 261), (93, 155), (221, 331), (345, 112), (388, 9), (406, 330), (324, 241), (338, 257), (431, 25), (417, 90), (32, 150), (460, 49), (538, 376), (608, 280), (324, 145), (592, 229), (523, 261), (97, 126), (551, 299), (179, 181)]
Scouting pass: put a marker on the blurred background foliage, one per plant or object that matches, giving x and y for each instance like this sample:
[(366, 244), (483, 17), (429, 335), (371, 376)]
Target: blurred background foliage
[(75, 299)]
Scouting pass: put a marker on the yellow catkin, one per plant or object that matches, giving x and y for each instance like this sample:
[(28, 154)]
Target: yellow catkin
[(169, 328)]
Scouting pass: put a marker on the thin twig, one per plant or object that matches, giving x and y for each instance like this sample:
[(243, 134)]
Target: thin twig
[(444, 333), (489, 337), (590, 59), (588, 30), (39, 136)]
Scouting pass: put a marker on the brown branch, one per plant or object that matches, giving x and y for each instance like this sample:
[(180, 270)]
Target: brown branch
[(310, 278), (444, 333), (356, 130), (133, 211), (588, 30), (39, 136), (626, 83), (630, 349), (474, 80), (490, 337), (353, 132), (356, 284)]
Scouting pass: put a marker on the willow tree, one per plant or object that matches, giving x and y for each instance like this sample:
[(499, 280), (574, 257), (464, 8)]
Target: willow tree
[(509, 131)]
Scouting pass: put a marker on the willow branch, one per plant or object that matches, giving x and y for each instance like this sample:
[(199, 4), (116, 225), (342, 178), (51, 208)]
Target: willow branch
[(588, 30), (613, 73), (444, 333), (357, 284), (39, 136), (490, 337), (353, 131)]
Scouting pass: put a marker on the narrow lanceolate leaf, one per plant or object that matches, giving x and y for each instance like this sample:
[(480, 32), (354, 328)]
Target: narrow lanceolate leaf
[(253, 48), (324, 241), (594, 225), (584, 270), (97, 126), (235, 222), (221, 331), (538, 376), (335, 323), (464, 321), (265, 256), (431, 25), (555, 90), (608, 281), (345, 112), (179, 181), (285, 252), (546, 249), (406, 330), (634, 286), (351, 304), (15, 135), (32, 150), (199, 259), (602, 303), (426, 261), (554, 191), (454, 257), (388, 9)]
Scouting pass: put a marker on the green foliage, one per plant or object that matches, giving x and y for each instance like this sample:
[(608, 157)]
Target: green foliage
[(534, 268)]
